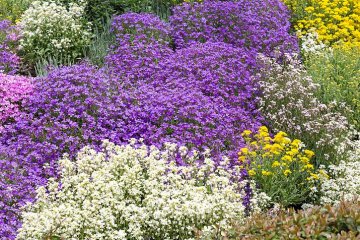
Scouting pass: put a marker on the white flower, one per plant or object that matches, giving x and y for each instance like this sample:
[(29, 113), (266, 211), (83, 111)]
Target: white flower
[(128, 192)]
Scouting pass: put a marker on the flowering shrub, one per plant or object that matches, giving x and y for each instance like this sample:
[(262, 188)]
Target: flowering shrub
[(338, 77), (345, 181), (52, 30), (281, 168), (320, 222), (135, 60), (261, 26), (14, 91), (288, 102), (9, 61), (336, 21), (142, 41), (128, 192), (146, 25)]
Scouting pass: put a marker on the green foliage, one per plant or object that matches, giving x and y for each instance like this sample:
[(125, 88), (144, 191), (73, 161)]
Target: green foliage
[(50, 30), (320, 222), (338, 73), (44, 65), (12, 9), (98, 11), (99, 47)]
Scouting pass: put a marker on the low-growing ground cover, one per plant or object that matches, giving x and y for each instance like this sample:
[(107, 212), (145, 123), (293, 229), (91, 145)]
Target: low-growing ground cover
[(198, 123)]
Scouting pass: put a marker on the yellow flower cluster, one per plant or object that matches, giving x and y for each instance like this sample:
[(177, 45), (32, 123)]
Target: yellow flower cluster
[(266, 156), (337, 22)]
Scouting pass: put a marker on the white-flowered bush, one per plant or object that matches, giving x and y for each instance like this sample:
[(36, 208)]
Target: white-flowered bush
[(345, 181), (50, 29), (135, 192), (289, 103)]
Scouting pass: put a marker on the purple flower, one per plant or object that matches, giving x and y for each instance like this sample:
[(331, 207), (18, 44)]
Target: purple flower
[(261, 26), (9, 61), (14, 92), (148, 25)]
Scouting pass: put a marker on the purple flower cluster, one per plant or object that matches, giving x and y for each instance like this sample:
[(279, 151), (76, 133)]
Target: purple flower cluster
[(9, 61), (142, 41), (147, 25), (79, 105), (14, 92), (63, 114), (261, 26), (137, 59)]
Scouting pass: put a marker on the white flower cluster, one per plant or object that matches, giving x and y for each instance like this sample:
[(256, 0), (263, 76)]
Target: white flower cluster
[(290, 104), (129, 192), (345, 183), (51, 29), (310, 43)]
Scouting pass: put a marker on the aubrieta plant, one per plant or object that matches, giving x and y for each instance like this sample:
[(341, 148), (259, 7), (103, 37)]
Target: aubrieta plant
[(260, 26), (147, 25), (142, 41), (129, 192), (9, 60), (280, 167), (14, 92)]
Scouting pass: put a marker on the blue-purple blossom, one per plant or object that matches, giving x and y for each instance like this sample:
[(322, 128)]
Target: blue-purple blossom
[(9, 61), (262, 25)]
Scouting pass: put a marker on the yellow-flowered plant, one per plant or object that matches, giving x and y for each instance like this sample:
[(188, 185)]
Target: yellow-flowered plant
[(12, 9), (280, 166), (336, 21)]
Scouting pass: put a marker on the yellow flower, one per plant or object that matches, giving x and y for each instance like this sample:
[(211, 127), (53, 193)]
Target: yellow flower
[(263, 129), (308, 167), (276, 149), (324, 174), (304, 160), (309, 153), (244, 150), (267, 147), (287, 158), (265, 173), (287, 172), (309, 9), (242, 158), (279, 137), (275, 164), (252, 173), (313, 176), (296, 143), (293, 152), (246, 133), (252, 154)]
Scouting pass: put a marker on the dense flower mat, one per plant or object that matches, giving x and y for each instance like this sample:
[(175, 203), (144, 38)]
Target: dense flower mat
[(208, 94)]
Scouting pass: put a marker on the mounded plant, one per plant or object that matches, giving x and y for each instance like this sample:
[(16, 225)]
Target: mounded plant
[(281, 167), (260, 26), (135, 192), (50, 29)]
